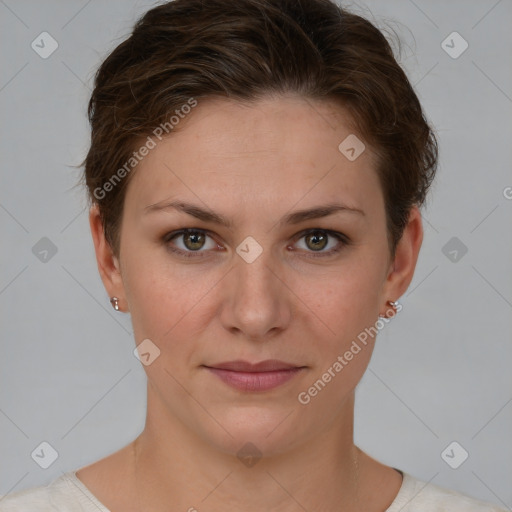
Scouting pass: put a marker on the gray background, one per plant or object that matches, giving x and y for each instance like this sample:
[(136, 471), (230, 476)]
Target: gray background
[(441, 369)]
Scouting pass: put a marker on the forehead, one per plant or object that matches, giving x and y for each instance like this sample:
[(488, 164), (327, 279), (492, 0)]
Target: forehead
[(272, 151), (284, 126)]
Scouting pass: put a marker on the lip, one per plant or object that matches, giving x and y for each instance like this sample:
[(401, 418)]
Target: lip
[(269, 365), (261, 376)]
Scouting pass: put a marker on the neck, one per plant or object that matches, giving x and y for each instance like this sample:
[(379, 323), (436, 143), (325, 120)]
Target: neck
[(174, 465)]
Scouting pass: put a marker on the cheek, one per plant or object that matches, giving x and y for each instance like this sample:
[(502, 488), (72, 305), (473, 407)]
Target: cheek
[(345, 337), (166, 299), (158, 302), (346, 307), (344, 300)]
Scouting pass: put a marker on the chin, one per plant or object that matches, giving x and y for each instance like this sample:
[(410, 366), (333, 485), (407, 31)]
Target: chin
[(257, 431)]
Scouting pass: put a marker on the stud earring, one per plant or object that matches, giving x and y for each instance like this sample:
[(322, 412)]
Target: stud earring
[(396, 308), (394, 305), (115, 303)]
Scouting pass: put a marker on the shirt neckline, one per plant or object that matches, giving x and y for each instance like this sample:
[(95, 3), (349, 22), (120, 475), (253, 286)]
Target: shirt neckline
[(405, 493), (401, 499), (86, 496)]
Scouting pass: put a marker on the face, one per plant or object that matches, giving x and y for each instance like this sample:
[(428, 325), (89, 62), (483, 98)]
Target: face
[(268, 283)]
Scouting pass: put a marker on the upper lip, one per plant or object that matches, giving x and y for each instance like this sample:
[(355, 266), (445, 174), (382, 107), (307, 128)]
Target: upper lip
[(268, 365)]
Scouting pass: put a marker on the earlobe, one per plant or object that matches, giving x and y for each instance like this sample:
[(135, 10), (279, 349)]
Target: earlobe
[(108, 264)]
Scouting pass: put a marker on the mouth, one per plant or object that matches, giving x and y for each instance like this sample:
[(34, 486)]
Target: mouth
[(262, 376)]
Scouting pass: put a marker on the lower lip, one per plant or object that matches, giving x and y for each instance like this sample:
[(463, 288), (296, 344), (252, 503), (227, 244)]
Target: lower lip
[(255, 381)]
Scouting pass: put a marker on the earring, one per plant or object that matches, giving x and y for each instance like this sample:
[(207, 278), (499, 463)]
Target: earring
[(115, 303), (395, 305)]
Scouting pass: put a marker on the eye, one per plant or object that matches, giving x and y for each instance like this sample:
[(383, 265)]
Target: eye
[(317, 239), (193, 240)]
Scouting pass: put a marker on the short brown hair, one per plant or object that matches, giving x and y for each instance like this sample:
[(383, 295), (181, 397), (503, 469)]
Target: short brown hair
[(243, 50)]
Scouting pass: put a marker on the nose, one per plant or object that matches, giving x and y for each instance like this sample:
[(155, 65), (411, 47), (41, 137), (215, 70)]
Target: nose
[(257, 303)]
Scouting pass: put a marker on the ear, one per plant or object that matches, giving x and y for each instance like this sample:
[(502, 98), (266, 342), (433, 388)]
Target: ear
[(108, 264), (402, 267)]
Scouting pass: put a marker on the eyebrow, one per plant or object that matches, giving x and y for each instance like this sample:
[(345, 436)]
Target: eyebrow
[(291, 218)]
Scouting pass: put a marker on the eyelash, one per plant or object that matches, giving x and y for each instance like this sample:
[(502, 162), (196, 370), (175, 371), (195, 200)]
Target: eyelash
[(343, 239)]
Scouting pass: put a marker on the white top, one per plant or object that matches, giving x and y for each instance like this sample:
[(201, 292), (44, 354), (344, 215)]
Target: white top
[(68, 494)]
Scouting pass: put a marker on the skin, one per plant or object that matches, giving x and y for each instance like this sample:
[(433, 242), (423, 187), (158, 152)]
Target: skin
[(252, 164)]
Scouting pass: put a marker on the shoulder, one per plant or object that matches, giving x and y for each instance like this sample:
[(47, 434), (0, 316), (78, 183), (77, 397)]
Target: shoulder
[(36, 498), (64, 494), (418, 496)]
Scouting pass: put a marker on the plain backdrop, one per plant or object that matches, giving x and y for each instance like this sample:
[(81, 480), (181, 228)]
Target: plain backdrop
[(441, 369)]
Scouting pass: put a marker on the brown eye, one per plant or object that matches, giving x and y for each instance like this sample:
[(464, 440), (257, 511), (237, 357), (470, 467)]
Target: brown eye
[(190, 243), (316, 240), (193, 240), (193, 243)]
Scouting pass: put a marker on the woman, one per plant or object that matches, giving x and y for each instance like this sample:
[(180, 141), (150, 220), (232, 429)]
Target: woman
[(256, 171)]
